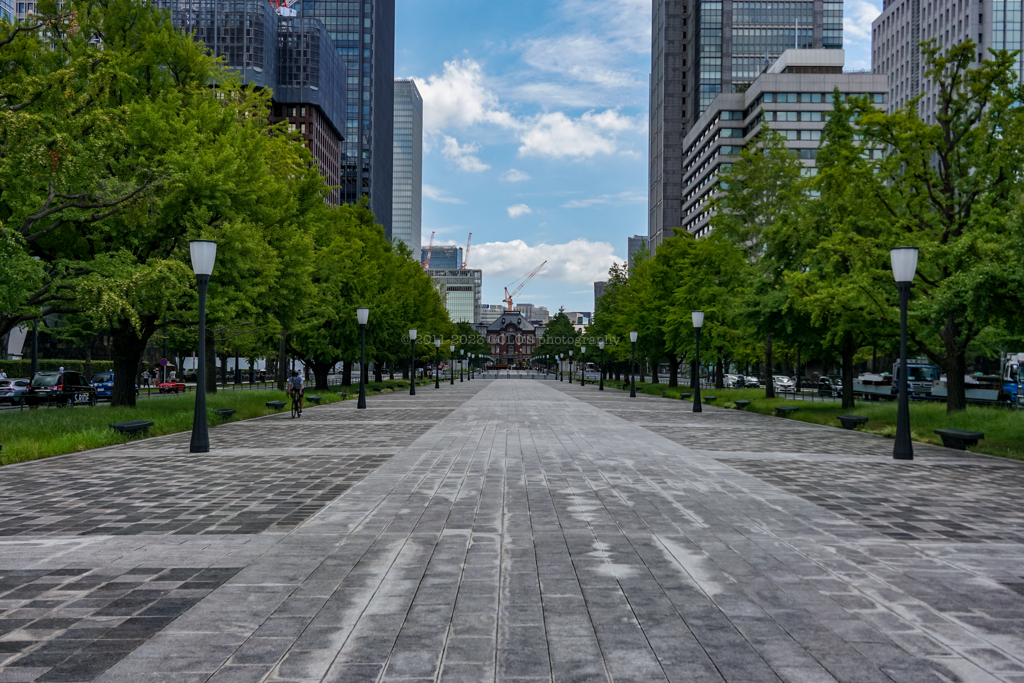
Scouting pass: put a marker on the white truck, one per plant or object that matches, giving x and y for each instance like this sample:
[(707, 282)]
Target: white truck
[(1004, 388), (875, 386)]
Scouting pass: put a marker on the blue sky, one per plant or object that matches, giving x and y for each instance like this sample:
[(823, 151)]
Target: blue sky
[(535, 132)]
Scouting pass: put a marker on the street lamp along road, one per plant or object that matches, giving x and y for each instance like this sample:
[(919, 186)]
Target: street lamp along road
[(583, 365), (697, 317), (632, 365), (412, 362), (570, 366), (462, 354), (600, 345), (437, 363), (362, 315), (904, 266), (204, 254), (451, 364)]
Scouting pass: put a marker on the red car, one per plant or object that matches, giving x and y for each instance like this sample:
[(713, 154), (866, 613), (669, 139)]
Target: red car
[(170, 387)]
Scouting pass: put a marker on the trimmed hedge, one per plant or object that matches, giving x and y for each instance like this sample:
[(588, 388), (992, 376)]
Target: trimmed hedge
[(23, 368)]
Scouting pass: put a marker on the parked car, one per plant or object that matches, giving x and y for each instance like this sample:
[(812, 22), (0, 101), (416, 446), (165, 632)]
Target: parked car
[(752, 382), (170, 387), (734, 381), (830, 386), (63, 389), (103, 383), (783, 383), (13, 390)]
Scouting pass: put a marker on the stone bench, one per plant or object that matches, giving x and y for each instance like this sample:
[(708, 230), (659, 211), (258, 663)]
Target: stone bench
[(315, 400), (710, 399), (785, 411), (959, 438), (225, 412), (741, 404), (851, 421), (685, 396), (276, 405), (131, 426)]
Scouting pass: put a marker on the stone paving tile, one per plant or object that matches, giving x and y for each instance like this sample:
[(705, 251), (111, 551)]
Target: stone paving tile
[(533, 531)]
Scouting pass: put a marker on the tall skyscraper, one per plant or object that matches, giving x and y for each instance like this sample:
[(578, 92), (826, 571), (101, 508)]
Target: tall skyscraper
[(364, 34), (442, 257), (636, 243), (700, 48), (407, 189), (7, 10), (903, 24)]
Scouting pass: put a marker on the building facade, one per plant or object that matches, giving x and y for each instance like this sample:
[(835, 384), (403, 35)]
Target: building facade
[(490, 312), (896, 32), (291, 55), (599, 290), (535, 314), (363, 34), (7, 10), (636, 243), (461, 289), (407, 183), (442, 257), (793, 97), (512, 339), (703, 48)]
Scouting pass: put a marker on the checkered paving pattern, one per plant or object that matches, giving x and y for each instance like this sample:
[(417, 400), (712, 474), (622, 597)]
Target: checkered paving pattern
[(72, 624), (935, 502)]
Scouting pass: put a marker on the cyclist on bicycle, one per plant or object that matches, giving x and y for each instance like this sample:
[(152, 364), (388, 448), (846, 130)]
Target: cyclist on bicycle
[(295, 388)]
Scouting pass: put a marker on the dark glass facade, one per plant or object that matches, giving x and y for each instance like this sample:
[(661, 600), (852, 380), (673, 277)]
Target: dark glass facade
[(363, 33)]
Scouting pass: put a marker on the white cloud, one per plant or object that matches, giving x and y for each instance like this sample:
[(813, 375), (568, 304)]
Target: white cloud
[(458, 98), (628, 197), (579, 261), (582, 58), (463, 156), (857, 18), (627, 22), (556, 135), (514, 176), (439, 195), (517, 210)]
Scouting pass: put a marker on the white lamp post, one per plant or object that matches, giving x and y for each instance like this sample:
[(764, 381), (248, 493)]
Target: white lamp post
[(904, 266), (204, 254), (412, 362), (363, 316), (632, 365), (697, 317)]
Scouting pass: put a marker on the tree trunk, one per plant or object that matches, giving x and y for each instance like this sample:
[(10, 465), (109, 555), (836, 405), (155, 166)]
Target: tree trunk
[(769, 382), (391, 371), (282, 361), (127, 347), (211, 361), (955, 366), (346, 373), (654, 370), (849, 348), (720, 370), (378, 371), (320, 371), (673, 371)]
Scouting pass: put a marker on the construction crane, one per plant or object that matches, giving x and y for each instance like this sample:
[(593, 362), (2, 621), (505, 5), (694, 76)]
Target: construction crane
[(527, 278), (465, 257), (430, 250), (284, 7)]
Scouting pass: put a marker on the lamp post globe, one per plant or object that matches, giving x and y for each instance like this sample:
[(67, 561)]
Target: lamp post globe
[(904, 267), (362, 316), (600, 345), (451, 364), (412, 362), (697, 318), (632, 365), (437, 363), (204, 255)]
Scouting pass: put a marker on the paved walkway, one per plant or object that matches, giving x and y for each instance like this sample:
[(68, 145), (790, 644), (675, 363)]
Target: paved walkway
[(513, 530)]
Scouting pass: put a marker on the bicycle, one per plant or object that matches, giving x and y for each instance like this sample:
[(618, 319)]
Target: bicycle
[(296, 410)]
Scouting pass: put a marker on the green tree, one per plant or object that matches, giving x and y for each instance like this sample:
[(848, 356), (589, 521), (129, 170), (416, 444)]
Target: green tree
[(947, 189)]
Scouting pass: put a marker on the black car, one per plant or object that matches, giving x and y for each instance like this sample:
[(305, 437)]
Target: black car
[(830, 386), (67, 388)]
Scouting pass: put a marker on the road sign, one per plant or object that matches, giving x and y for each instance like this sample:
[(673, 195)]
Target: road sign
[(163, 361)]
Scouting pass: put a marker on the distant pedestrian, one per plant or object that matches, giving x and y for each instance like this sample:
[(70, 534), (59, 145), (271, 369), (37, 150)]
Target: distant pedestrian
[(145, 378), (3, 375)]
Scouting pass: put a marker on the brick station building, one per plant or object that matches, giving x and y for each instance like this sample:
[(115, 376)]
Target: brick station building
[(512, 339)]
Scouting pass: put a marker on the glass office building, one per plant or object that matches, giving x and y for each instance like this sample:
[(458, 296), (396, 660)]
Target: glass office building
[(407, 189), (461, 289), (6, 10), (702, 48), (364, 35)]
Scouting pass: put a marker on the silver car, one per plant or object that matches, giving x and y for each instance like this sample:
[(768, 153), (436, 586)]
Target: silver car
[(752, 382), (783, 383), (12, 390)]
